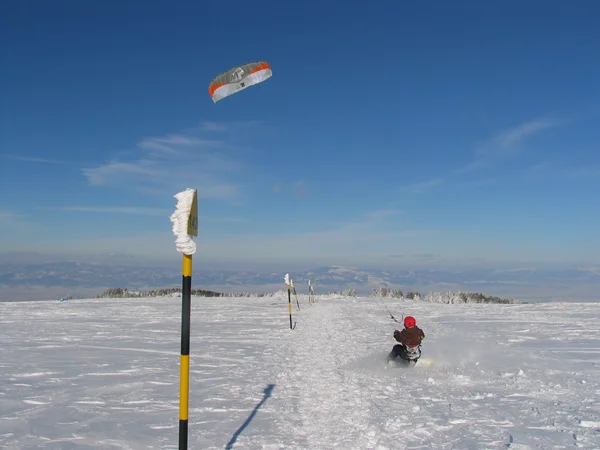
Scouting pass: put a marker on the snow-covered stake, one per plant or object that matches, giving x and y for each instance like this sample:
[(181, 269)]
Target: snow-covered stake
[(185, 221), (287, 283), (295, 295), (185, 225)]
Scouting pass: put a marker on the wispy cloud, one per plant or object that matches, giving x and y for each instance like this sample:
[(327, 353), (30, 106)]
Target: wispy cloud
[(508, 143), (237, 126), (213, 127), (12, 221), (517, 269), (174, 162), (300, 188), (552, 170), (33, 159), (222, 219), (8, 216), (586, 172), (417, 256), (114, 172), (426, 256), (419, 188), (541, 168), (363, 239), (177, 143), (138, 210), (380, 215)]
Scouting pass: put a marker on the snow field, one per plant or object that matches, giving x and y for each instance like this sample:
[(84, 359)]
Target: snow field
[(104, 374)]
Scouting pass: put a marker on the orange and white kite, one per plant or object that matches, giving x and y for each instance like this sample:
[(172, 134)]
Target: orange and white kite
[(238, 79)]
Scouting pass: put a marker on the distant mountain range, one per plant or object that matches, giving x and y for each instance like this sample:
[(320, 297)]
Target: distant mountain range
[(72, 276)]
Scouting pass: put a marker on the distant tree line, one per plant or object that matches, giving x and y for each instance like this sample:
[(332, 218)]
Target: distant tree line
[(433, 297), (391, 293), (345, 293), (126, 293), (476, 297), (447, 297), (161, 292)]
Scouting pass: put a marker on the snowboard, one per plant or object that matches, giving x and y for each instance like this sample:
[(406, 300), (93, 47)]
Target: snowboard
[(425, 362), (403, 364)]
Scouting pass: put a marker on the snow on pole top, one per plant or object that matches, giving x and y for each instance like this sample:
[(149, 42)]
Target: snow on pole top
[(287, 279), (186, 211)]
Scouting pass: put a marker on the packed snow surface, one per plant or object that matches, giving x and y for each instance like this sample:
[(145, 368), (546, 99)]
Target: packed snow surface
[(104, 374)]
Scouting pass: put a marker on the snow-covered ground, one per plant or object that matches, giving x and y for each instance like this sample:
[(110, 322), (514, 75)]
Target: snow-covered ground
[(104, 374)]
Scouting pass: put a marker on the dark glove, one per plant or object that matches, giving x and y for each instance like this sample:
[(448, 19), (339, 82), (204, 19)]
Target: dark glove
[(397, 334)]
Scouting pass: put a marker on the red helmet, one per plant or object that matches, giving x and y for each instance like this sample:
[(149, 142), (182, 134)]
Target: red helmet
[(409, 321)]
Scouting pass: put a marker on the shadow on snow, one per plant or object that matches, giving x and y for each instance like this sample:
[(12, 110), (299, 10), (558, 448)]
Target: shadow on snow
[(267, 393)]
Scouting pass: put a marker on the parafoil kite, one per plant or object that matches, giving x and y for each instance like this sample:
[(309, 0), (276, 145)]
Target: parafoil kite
[(238, 79)]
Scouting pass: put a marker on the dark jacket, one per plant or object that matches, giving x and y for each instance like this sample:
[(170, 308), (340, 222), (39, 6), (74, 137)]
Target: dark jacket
[(410, 337)]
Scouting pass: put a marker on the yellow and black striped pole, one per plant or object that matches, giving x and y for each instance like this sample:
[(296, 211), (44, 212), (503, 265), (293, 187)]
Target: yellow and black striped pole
[(289, 289), (184, 374), (295, 295), (185, 226), (290, 306)]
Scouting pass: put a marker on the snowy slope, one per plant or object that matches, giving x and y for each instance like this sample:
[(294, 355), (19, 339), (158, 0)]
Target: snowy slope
[(104, 374)]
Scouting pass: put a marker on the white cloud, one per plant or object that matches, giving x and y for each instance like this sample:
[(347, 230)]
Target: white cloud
[(115, 172), (13, 222), (380, 215), (585, 172), (361, 240), (139, 210), (426, 256), (553, 170), (543, 168), (116, 210), (300, 188), (213, 127), (234, 126), (508, 142), (33, 159), (368, 236), (152, 144), (518, 269), (163, 165), (419, 188), (9, 217), (510, 138), (345, 244), (172, 143), (221, 219)]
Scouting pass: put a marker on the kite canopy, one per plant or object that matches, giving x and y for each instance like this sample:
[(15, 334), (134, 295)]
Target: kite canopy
[(238, 79)]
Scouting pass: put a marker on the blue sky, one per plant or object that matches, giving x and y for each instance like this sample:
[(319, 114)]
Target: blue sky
[(395, 134)]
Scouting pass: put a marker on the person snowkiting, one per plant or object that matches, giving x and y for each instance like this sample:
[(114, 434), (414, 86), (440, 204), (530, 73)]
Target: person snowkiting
[(408, 351)]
